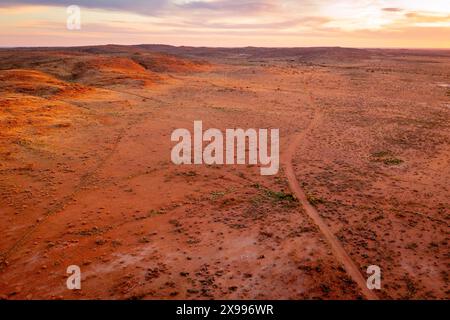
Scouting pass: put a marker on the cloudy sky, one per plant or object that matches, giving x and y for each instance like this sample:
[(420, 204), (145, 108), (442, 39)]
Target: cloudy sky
[(227, 23)]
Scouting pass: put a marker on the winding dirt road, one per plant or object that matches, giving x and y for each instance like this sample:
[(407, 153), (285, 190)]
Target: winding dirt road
[(336, 247)]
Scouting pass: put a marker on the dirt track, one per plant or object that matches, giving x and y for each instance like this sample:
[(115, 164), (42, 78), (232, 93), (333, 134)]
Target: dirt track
[(339, 252)]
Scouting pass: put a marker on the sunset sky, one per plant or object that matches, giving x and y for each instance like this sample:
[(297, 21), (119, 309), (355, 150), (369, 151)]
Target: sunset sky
[(227, 23)]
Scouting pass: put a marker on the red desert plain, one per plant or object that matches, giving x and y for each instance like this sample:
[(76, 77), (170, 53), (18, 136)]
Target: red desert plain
[(86, 176)]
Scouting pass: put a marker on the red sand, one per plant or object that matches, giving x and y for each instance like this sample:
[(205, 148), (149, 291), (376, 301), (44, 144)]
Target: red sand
[(86, 177)]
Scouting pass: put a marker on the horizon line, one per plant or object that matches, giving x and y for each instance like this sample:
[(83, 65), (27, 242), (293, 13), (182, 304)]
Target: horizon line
[(220, 47)]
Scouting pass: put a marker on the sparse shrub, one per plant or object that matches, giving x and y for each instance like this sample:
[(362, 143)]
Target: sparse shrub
[(386, 157), (281, 196), (392, 161), (217, 194), (313, 200)]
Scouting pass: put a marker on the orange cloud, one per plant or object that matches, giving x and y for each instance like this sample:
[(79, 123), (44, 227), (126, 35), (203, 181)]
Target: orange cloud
[(361, 23)]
